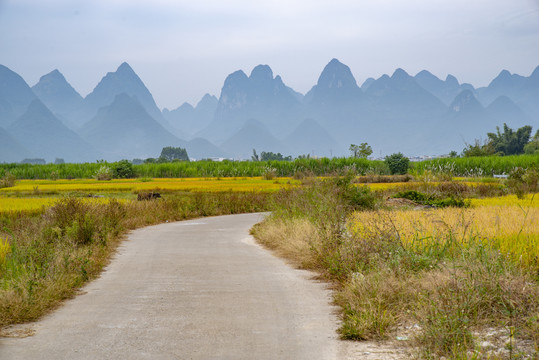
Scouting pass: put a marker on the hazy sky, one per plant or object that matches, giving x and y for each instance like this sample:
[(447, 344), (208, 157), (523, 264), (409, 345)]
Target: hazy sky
[(183, 49)]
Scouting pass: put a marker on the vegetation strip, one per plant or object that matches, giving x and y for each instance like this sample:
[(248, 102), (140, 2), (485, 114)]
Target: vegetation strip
[(406, 261), (443, 280)]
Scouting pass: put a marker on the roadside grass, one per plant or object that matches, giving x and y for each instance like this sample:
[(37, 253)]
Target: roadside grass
[(437, 278), (47, 255)]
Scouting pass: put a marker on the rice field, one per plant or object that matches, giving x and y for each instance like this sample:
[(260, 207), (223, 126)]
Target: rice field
[(507, 224), (165, 184), (33, 205)]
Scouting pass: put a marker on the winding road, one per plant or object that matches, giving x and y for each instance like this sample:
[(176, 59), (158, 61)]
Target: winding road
[(199, 289)]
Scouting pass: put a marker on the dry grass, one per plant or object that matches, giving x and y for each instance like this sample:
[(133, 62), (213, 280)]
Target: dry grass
[(291, 239), (439, 277), (512, 230)]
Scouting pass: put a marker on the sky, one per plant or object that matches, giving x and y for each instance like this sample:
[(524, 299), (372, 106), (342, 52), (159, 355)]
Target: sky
[(184, 49)]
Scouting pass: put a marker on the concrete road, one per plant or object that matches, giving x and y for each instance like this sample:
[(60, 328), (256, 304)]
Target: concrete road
[(199, 289)]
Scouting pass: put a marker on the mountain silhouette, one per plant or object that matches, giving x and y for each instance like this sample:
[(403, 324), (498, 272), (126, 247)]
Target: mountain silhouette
[(416, 115), (39, 131), (504, 110), (444, 90), (253, 135), (123, 81), (335, 85), (10, 149), (59, 96), (259, 96), (15, 96), (401, 97), (124, 129), (189, 119), (311, 138)]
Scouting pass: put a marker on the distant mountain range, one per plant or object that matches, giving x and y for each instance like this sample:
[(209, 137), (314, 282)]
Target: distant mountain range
[(119, 119)]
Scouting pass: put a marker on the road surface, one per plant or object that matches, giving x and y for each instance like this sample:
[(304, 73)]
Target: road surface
[(199, 289)]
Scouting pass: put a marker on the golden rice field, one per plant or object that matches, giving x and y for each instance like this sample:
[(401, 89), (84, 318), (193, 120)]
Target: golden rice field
[(135, 185), (507, 224), (530, 200), (35, 204)]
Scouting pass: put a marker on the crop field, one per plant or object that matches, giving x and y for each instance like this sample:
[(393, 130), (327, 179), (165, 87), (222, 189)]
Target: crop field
[(31, 196), (165, 184), (506, 224), (34, 195)]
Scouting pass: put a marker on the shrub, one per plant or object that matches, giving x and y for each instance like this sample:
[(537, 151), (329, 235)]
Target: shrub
[(397, 163), (432, 200), (8, 180), (123, 169), (522, 181), (103, 173)]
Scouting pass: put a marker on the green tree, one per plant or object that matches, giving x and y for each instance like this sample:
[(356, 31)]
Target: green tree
[(533, 146), (397, 163), (255, 157), (510, 142), (267, 156), (478, 149), (360, 151), (170, 153)]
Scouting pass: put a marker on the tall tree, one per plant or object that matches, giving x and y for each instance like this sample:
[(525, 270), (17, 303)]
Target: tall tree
[(170, 153), (361, 151), (510, 142)]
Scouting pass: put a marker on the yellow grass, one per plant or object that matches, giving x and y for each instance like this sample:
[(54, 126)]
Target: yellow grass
[(530, 200), (134, 185), (511, 229), (34, 204)]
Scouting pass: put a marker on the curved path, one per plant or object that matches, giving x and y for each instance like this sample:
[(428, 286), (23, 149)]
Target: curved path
[(199, 289)]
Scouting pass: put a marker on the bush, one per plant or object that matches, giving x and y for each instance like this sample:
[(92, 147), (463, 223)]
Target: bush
[(431, 200), (123, 169), (8, 180), (103, 173), (397, 163), (522, 181)]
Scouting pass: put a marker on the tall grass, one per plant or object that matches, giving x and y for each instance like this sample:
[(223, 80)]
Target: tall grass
[(318, 167), (477, 166), (446, 274)]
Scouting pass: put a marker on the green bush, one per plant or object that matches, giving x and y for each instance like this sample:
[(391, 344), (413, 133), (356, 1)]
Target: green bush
[(431, 200), (397, 163), (123, 169)]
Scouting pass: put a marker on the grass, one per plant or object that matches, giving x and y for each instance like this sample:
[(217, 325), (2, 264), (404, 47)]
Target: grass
[(203, 168), (467, 167), (481, 166), (441, 277)]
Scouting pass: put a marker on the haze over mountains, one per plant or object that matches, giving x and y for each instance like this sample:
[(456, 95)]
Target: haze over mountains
[(119, 119)]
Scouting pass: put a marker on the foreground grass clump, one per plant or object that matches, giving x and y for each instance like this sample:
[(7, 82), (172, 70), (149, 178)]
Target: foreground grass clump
[(46, 256), (438, 278)]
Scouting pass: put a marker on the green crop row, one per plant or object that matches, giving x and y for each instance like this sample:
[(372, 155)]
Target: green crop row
[(472, 166)]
